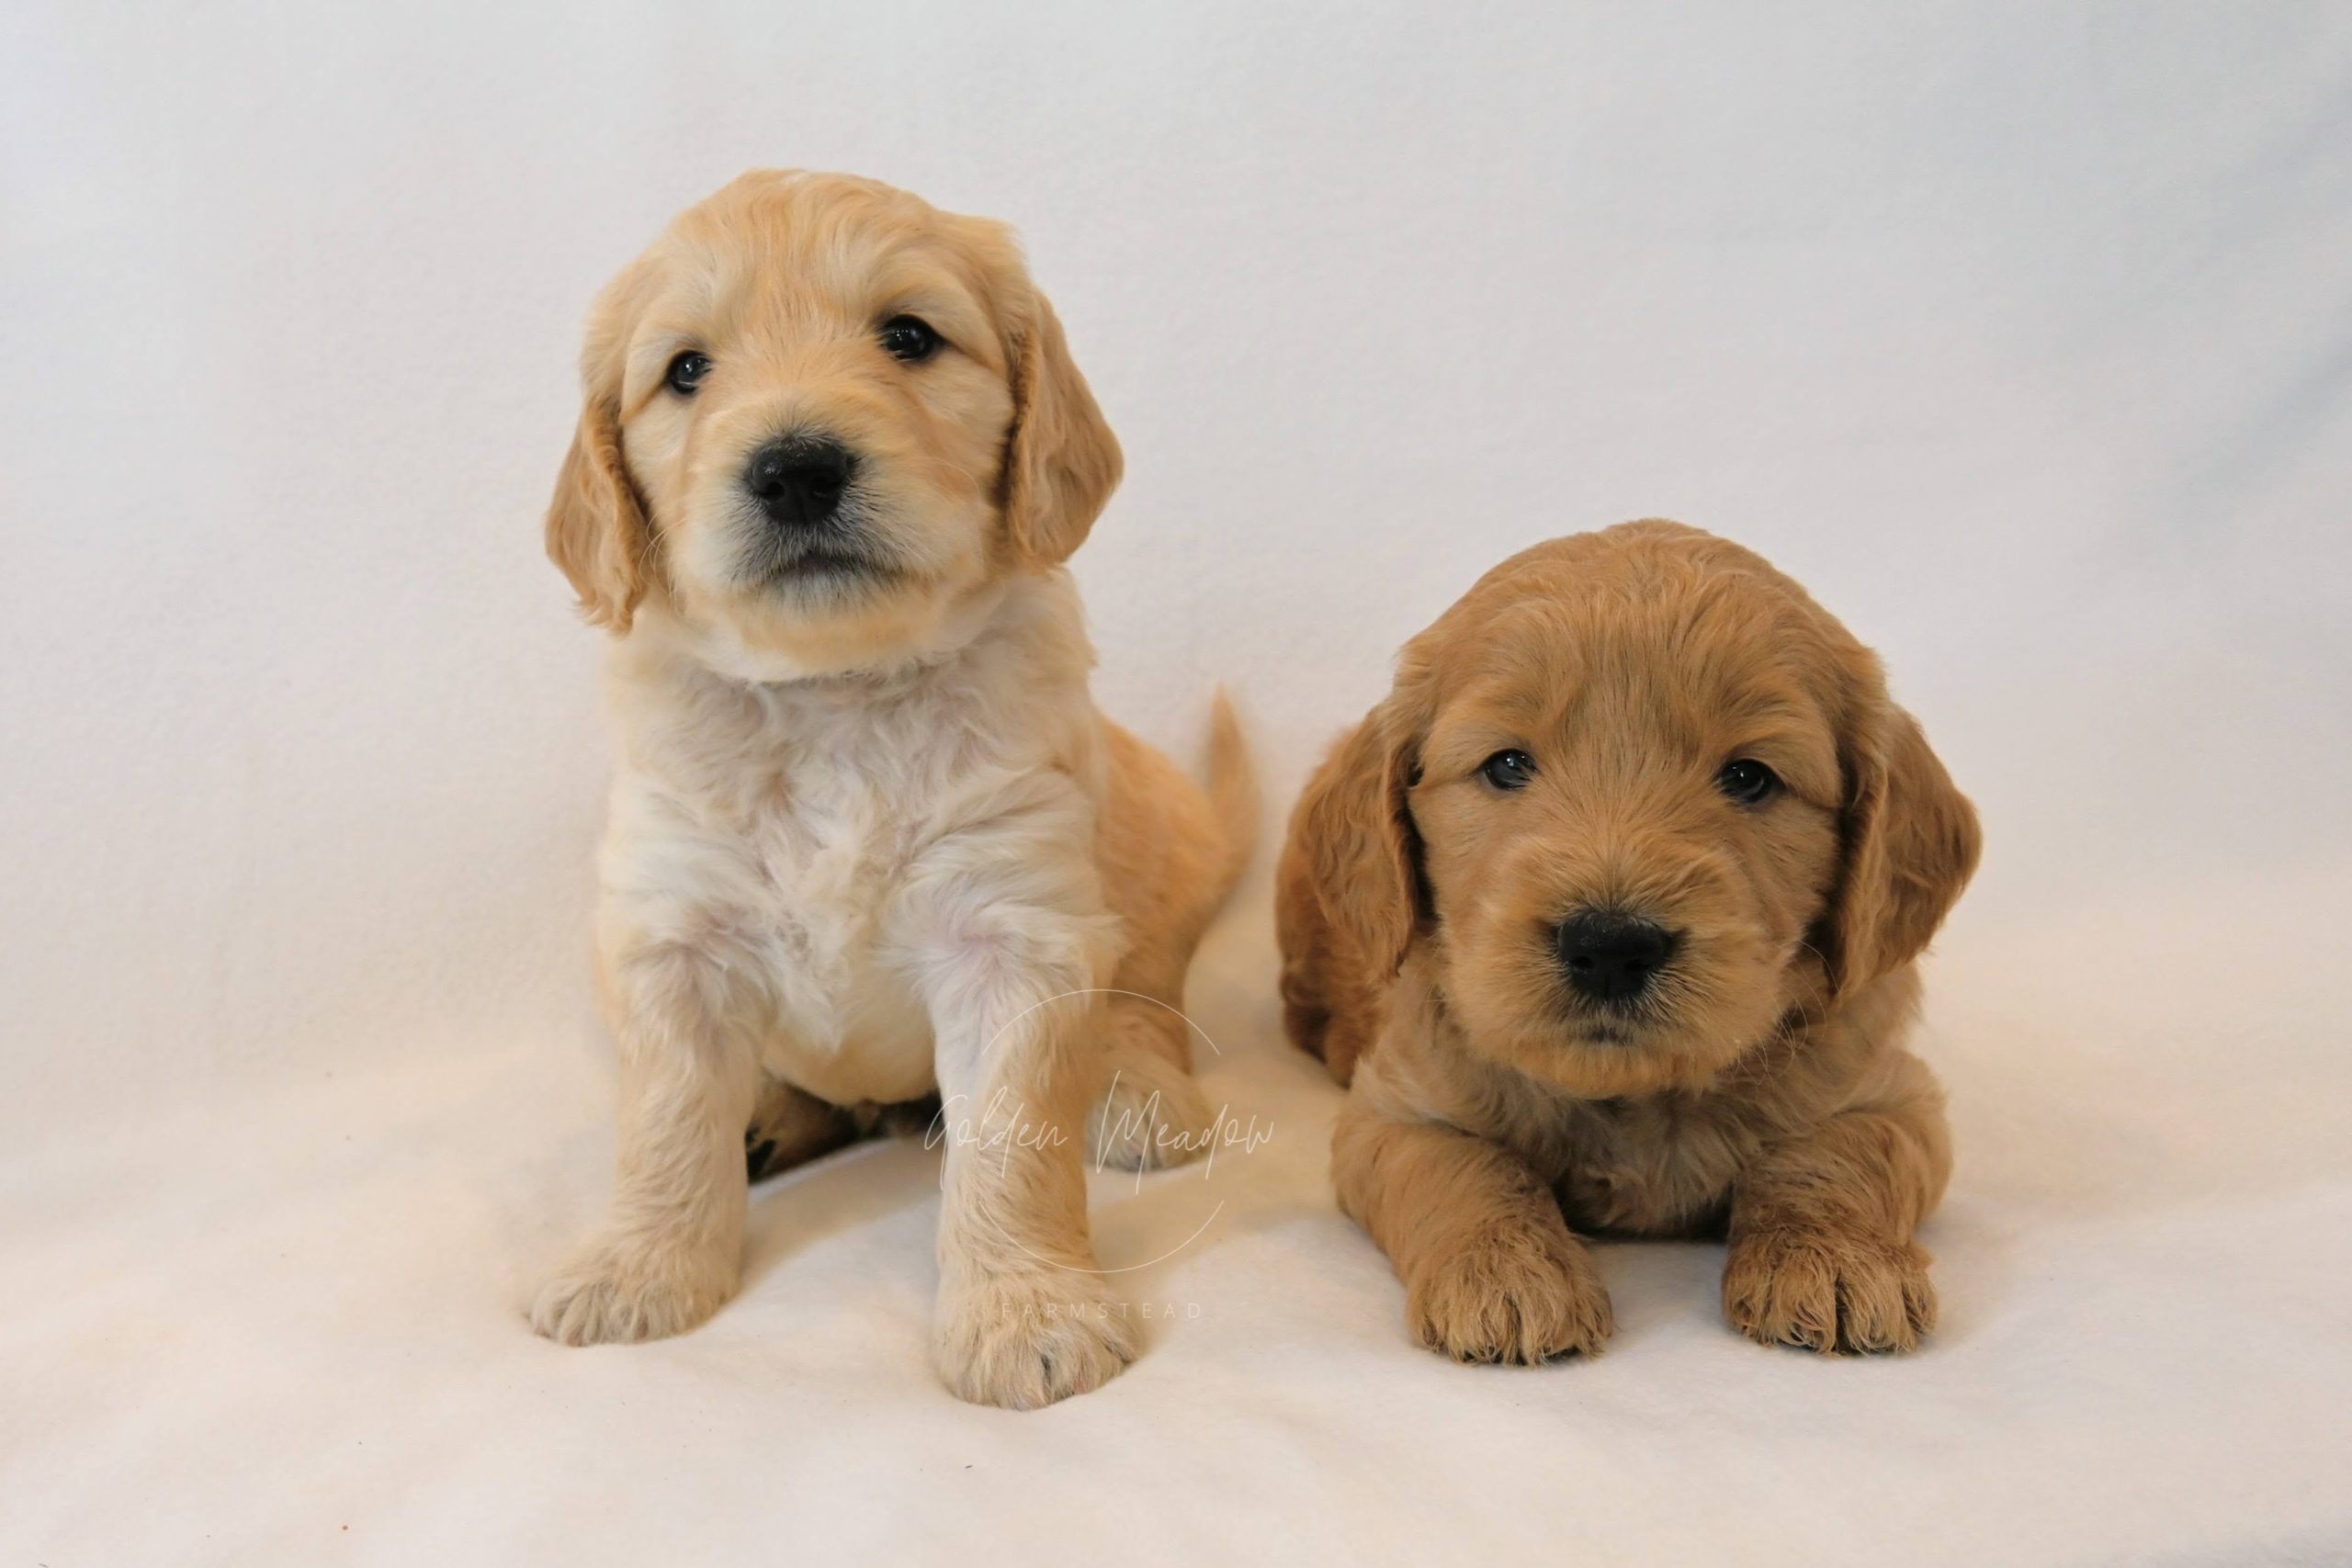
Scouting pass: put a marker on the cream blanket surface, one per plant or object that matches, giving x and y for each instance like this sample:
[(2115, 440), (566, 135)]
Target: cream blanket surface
[(293, 1335)]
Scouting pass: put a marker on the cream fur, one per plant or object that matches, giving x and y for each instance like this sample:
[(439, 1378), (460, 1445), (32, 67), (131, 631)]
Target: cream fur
[(868, 846)]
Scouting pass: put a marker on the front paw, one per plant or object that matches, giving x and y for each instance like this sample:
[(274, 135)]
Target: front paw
[(1024, 1341), (1521, 1292), (1829, 1289), (616, 1291)]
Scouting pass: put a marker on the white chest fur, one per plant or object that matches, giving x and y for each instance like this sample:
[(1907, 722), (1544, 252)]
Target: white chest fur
[(799, 845)]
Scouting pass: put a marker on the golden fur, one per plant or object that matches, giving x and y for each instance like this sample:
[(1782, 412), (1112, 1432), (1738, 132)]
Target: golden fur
[(870, 839), (1760, 1088)]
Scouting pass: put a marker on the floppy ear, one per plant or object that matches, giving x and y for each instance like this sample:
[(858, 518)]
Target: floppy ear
[(1360, 839), (1911, 843), (596, 528), (1061, 462)]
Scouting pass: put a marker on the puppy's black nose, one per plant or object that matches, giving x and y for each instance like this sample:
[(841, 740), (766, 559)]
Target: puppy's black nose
[(799, 480), (1611, 956)]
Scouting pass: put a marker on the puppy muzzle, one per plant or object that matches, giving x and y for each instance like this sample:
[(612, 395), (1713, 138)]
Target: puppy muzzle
[(799, 480), (1613, 956)]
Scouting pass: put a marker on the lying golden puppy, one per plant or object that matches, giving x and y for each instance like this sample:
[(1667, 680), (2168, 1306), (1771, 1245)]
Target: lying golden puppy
[(1616, 896), (870, 839)]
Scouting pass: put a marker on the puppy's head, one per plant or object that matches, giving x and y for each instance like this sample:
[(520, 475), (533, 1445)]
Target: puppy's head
[(823, 420), (1635, 799)]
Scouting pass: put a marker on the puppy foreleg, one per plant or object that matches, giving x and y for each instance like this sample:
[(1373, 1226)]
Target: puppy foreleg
[(1025, 1317), (671, 1251), (1821, 1254), (1491, 1273)]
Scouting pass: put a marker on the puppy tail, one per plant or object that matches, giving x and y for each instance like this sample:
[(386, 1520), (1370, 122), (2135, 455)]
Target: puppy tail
[(1233, 791)]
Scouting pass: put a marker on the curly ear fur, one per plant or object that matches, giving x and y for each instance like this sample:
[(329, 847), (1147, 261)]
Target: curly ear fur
[(596, 528), (1358, 837), (1910, 844), (1061, 462)]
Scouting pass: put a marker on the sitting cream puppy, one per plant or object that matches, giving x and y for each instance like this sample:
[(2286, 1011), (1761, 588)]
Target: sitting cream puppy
[(870, 839)]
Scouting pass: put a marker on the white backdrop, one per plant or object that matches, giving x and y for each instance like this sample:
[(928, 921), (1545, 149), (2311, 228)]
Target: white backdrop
[(2020, 333)]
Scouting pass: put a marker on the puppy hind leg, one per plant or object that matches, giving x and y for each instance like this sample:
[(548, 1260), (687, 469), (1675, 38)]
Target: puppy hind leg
[(1169, 856), (790, 1127), (1150, 1115)]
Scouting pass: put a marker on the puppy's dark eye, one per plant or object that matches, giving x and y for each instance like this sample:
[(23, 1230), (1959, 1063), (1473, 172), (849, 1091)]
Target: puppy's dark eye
[(685, 373), (1747, 781), (1507, 770), (909, 339)]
